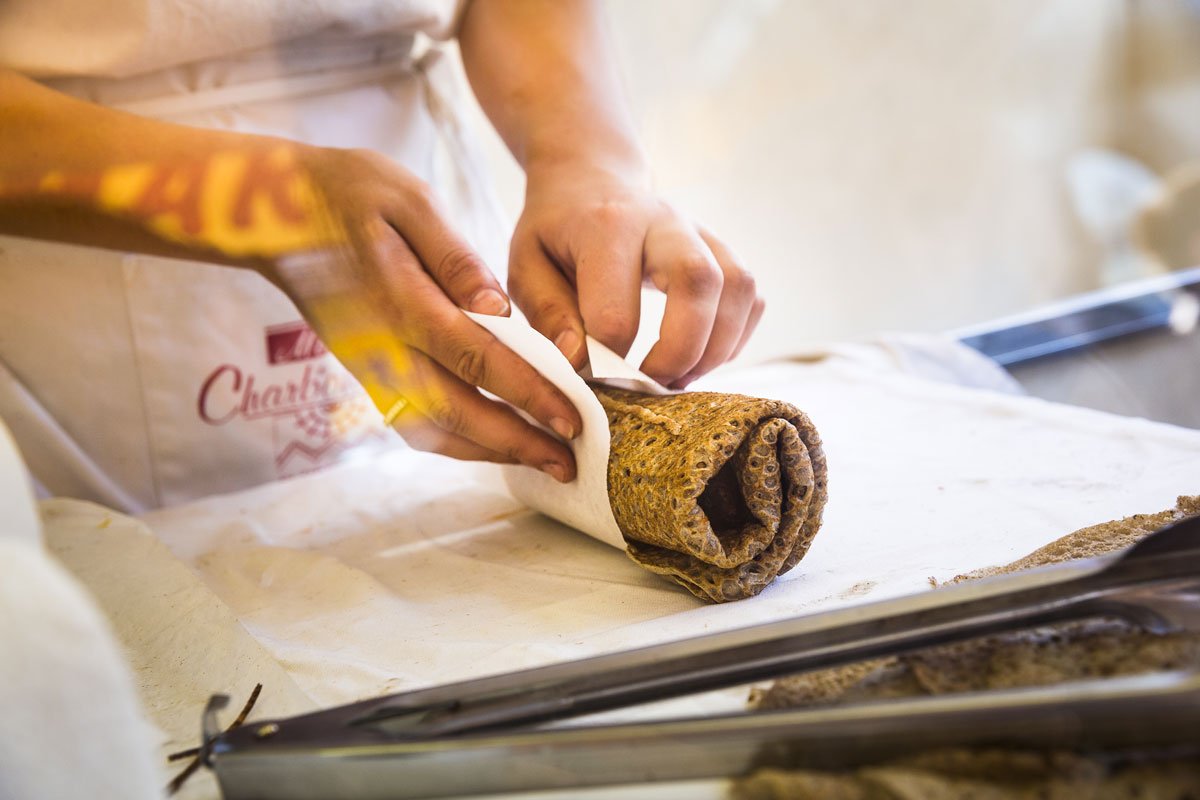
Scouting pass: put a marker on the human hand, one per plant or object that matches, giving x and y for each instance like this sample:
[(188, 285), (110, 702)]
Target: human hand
[(409, 273), (585, 244)]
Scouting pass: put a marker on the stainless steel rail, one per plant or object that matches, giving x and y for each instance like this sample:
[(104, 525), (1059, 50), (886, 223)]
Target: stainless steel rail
[(1135, 307), (407, 745)]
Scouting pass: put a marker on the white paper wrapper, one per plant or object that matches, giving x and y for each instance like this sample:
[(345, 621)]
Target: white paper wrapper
[(583, 503)]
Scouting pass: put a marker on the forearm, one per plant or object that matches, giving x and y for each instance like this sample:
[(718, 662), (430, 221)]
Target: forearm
[(385, 294), (48, 139), (544, 75)]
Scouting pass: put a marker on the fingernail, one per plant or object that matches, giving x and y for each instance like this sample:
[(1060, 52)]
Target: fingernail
[(562, 427), (683, 382), (556, 471), (567, 343), (489, 301)]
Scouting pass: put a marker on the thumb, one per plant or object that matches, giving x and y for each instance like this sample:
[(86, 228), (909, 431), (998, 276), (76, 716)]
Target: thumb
[(548, 301)]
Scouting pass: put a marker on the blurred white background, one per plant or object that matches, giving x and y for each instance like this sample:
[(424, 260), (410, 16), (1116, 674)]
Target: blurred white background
[(900, 166)]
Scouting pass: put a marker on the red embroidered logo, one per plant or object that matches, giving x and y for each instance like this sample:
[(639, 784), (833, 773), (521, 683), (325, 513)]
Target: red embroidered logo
[(315, 410), (228, 392), (294, 341)]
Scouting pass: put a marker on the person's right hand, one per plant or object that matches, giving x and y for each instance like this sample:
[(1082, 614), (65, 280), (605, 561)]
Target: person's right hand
[(415, 273)]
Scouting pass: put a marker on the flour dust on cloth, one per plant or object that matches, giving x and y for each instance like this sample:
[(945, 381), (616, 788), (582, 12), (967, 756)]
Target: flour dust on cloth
[(720, 492), (1039, 657), (182, 642), (141, 382)]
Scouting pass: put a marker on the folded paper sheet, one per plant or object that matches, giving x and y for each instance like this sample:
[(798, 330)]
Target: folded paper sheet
[(719, 492)]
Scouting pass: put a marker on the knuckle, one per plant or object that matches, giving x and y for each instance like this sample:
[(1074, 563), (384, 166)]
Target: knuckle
[(613, 325), (364, 165), (546, 311), (537, 399), (470, 364), (691, 354), (698, 276), (418, 196), (740, 282), (609, 214), (448, 416), (513, 451), (458, 265)]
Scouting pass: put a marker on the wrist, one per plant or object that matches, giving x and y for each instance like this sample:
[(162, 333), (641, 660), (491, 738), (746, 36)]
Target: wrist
[(626, 165), (569, 147)]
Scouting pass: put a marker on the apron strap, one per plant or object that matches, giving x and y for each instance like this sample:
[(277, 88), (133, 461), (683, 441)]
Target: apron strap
[(266, 90)]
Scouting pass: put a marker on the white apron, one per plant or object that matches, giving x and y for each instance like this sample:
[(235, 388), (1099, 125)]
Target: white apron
[(141, 382)]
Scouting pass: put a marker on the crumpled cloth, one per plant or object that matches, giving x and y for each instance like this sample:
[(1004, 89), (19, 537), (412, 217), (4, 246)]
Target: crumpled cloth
[(722, 493), (1038, 657)]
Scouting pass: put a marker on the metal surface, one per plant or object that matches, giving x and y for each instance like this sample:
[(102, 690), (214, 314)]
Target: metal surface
[(1148, 711), (1166, 563), (436, 733), (1136, 307)]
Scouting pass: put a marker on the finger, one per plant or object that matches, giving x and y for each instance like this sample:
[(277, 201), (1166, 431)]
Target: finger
[(446, 256), (420, 433), (545, 296), (461, 410), (431, 324), (680, 264), (738, 293), (756, 313), (608, 276)]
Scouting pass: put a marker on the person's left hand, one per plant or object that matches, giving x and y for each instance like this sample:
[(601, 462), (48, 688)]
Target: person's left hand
[(585, 244)]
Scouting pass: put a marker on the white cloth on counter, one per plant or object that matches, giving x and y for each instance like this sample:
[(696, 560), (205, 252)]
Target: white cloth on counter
[(71, 725), (183, 642), (412, 570)]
